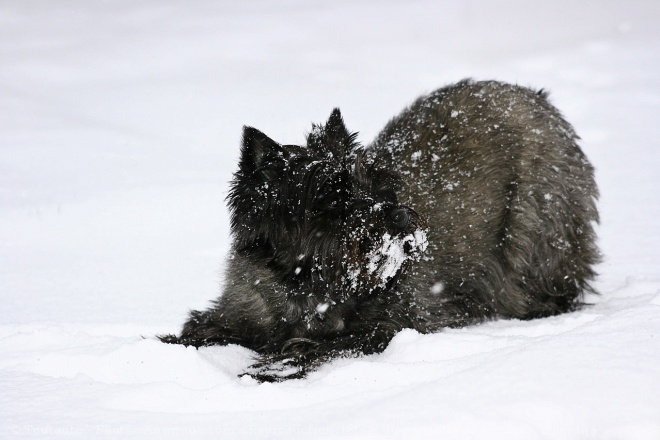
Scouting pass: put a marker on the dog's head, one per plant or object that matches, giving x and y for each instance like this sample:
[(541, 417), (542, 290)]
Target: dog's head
[(323, 215)]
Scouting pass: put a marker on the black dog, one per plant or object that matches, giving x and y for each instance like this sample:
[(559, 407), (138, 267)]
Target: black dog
[(474, 203)]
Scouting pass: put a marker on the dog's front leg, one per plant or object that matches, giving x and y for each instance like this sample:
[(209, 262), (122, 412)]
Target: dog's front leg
[(300, 356)]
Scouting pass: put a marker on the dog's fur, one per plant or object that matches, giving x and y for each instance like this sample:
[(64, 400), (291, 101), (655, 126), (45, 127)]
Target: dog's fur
[(474, 203)]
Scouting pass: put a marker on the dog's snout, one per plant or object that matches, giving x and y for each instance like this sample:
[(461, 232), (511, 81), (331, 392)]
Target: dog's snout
[(400, 218)]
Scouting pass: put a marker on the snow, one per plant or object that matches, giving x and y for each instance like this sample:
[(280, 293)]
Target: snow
[(386, 260), (120, 125), (437, 288)]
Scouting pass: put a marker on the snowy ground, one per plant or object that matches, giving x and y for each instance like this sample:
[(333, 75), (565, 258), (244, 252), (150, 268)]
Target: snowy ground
[(119, 129)]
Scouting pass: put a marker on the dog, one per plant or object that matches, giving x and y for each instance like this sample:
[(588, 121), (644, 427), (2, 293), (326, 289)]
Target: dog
[(475, 203)]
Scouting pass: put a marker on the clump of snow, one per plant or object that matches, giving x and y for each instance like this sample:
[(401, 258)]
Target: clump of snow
[(386, 260), (437, 288)]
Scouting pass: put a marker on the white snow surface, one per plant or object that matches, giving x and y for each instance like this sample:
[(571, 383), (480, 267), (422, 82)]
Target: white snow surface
[(120, 124)]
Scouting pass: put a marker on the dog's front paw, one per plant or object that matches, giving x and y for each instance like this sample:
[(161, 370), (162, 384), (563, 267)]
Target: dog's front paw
[(169, 339), (276, 368)]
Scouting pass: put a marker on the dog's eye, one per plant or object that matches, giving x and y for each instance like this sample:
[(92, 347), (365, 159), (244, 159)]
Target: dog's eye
[(334, 198)]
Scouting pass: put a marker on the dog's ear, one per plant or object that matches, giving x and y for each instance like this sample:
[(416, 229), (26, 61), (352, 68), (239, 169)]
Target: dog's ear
[(333, 139), (256, 147), (259, 168), (335, 127)]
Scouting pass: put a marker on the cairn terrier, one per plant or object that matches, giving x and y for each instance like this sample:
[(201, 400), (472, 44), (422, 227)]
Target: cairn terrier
[(474, 203)]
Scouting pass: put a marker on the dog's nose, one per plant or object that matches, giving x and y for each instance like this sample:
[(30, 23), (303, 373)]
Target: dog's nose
[(400, 218)]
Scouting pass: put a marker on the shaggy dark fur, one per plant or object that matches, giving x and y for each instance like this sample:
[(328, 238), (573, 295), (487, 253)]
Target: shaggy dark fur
[(474, 203)]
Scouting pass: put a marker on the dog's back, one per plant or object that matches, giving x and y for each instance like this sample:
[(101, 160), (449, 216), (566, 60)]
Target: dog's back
[(509, 199)]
